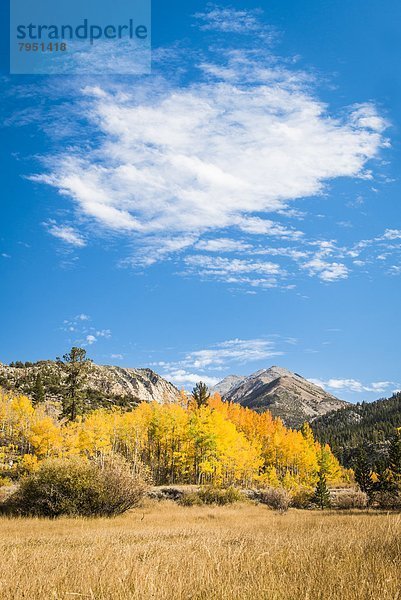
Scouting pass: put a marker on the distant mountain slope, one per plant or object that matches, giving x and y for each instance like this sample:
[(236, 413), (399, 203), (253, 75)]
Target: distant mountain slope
[(227, 384), (285, 394), (371, 424), (106, 385)]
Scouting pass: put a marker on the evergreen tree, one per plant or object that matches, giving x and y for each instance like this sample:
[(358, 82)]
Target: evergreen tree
[(38, 390), (363, 473), (394, 455), (322, 494), (76, 366), (200, 394)]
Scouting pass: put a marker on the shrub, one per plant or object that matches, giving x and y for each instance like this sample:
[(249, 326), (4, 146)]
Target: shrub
[(302, 498), (76, 486), (387, 499), (213, 495), (190, 499), (349, 499), (166, 493), (276, 498)]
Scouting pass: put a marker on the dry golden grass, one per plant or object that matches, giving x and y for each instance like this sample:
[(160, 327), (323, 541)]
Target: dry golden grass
[(168, 552)]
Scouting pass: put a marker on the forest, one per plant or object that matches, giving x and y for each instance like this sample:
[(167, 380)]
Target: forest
[(370, 425), (215, 443)]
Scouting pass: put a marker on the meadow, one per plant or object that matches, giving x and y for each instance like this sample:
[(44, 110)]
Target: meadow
[(164, 551)]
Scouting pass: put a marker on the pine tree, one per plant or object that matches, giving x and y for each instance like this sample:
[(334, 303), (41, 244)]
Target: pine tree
[(322, 494), (200, 394), (394, 455), (75, 365), (38, 390), (363, 473)]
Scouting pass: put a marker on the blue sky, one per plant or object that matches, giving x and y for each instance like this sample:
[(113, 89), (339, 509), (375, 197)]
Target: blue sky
[(237, 208)]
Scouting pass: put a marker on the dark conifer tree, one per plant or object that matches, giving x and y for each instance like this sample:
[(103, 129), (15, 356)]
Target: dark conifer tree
[(322, 494), (200, 394), (76, 366), (394, 455), (363, 472), (38, 390)]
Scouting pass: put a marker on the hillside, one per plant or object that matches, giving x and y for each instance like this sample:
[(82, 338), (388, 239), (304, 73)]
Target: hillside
[(285, 394), (105, 386), (371, 424)]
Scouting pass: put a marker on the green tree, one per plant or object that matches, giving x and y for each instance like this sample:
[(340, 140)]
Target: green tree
[(322, 494), (363, 472), (38, 391), (394, 456), (200, 394), (76, 367)]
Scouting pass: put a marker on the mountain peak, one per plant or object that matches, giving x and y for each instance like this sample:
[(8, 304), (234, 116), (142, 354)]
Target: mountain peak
[(284, 393)]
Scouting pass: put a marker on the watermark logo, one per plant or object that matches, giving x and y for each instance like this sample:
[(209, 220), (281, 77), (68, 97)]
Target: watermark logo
[(80, 36)]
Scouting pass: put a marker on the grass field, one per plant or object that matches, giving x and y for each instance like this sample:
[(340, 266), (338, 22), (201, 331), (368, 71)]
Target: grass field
[(165, 551)]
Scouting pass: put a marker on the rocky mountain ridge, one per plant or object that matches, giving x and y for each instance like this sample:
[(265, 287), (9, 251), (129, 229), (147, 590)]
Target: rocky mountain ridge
[(284, 393), (110, 384)]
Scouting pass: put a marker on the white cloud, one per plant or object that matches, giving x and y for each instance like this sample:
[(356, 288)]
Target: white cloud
[(223, 354), (177, 167), (255, 225), (326, 271), (353, 385), (203, 364), (81, 332), (229, 20), (392, 234), (67, 234), (235, 270), (226, 266), (104, 333), (186, 378), (185, 161), (233, 351), (223, 245)]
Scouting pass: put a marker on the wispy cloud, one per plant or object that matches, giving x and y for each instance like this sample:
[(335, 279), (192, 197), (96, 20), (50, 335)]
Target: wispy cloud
[(230, 20), (179, 164), (235, 270), (223, 245), (82, 332), (66, 233), (325, 270), (214, 164), (203, 364), (354, 385)]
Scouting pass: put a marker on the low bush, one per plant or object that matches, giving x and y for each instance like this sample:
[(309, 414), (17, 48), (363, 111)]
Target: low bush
[(302, 498), (349, 499), (276, 498), (190, 499), (220, 496), (76, 486), (211, 495), (387, 499)]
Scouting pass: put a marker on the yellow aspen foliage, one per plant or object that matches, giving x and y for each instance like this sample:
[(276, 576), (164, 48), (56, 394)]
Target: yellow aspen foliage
[(95, 433), (45, 438), (216, 443), (29, 463)]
